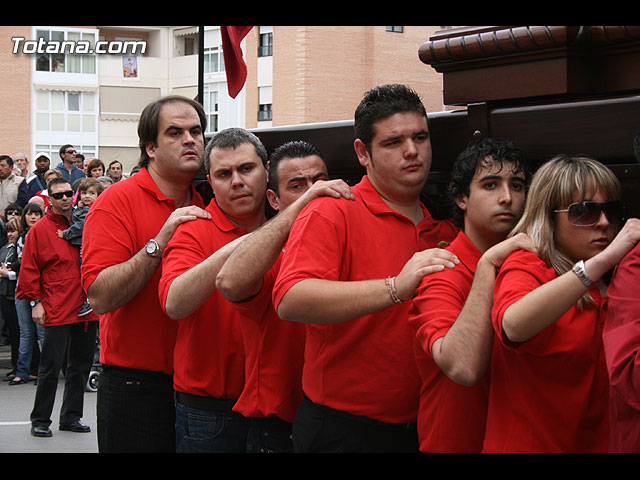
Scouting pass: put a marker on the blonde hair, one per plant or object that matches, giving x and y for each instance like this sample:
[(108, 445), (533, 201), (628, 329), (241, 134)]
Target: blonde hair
[(559, 182)]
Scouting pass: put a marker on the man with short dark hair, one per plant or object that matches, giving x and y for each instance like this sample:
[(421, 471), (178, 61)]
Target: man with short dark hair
[(68, 166), (274, 348), (349, 271), (114, 171), (126, 231), (50, 279)]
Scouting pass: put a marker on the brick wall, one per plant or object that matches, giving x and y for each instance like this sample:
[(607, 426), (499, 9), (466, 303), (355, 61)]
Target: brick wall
[(15, 94), (321, 72)]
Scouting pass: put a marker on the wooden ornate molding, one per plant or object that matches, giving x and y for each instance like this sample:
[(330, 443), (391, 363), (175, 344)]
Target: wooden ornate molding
[(569, 59)]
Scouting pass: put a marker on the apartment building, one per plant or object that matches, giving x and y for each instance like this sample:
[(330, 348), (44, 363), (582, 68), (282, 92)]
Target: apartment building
[(52, 95)]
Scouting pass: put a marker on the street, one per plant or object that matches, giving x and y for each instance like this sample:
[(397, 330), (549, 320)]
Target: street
[(16, 402)]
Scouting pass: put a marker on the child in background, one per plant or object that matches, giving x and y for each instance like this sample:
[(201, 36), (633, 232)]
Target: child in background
[(88, 189)]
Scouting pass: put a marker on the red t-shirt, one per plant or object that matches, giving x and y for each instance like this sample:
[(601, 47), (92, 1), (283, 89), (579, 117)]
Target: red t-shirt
[(274, 356), (452, 417), (209, 354), (119, 224), (364, 366), (622, 350), (550, 393), (50, 271)]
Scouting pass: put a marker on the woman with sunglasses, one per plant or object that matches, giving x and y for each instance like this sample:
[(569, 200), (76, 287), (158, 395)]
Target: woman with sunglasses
[(549, 382)]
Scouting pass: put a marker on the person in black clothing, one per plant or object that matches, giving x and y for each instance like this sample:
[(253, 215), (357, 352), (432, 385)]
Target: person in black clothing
[(8, 275)]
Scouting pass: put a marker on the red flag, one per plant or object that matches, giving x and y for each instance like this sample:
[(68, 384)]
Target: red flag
[(234, 64)]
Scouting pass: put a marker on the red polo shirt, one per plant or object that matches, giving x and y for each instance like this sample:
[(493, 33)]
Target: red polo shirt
[(50, 271), (452, 417), (622, 350), (364, 366), (119, 224), (274, 356), (550, 393), (209, 354)]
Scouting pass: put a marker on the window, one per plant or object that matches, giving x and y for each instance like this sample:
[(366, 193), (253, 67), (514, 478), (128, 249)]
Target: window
[(65, 111), (265, 48), (264, 113), (213, 60), (62, 60), (395, 29), (211, 109)]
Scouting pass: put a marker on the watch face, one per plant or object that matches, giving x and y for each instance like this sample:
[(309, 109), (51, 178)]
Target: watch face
[(152, 247)]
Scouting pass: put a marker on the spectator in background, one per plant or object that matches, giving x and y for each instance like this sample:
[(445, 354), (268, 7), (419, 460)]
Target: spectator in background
[(105, 182), (89, 189), (30, 332), (67, 166), (43, 194), (50, 279), (9, 183), (21, 165), (35, 182), (9, 264), (95, 168), (115, 171), (80, 161)]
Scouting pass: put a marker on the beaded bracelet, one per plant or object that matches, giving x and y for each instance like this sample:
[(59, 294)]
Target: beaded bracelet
[(391, 288)]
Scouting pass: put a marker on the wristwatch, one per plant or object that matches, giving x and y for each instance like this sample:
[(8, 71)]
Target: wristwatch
[(33, 303), (153, 249), (580, 271)]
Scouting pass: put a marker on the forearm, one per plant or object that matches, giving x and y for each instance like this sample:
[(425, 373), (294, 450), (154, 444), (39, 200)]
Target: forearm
[(118, 284), (324, 301), (541, 307), (182, 298), (544, 305), (241, 275), (463, 354)]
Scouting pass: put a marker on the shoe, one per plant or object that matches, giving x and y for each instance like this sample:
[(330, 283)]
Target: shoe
[(76, 426), (85, 309), (17, 381), (9, 376), (41, 431)]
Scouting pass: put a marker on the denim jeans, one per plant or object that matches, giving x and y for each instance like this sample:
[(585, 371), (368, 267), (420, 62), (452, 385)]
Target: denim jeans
[(210, 431), (30, 332)]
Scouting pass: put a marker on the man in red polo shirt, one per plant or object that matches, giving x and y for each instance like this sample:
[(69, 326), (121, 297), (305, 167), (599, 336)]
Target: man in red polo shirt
[(349, 271), (125, 232), (274, 348), (210, 352), (621, 346), (451, 314)]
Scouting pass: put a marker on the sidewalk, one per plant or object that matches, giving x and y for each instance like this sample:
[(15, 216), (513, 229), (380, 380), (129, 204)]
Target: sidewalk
[(16, 403)]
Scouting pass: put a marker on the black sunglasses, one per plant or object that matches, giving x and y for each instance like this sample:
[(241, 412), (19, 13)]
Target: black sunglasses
[(59, 195), (70, 151), (587, 214)]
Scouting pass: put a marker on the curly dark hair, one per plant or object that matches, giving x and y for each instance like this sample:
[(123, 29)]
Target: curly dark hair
[(473, 158)]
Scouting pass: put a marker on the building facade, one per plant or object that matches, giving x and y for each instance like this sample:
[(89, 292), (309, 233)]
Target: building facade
[(55, 92)]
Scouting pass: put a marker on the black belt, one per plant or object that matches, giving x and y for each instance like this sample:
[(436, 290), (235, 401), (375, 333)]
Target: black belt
[(411, 426), (205, 403)]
